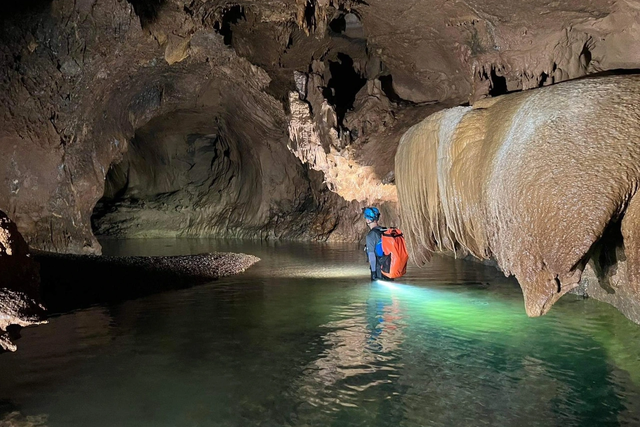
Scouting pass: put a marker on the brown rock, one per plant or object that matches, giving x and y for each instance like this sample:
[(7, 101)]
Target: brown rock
[(73, 281), (92, 87), (19, 280), (531, 179)]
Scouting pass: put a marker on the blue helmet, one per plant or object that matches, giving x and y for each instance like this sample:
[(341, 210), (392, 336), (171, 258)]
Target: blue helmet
[(372, 214)]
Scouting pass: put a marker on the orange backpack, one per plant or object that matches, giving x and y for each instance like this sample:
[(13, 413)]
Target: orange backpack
[(393, 263)]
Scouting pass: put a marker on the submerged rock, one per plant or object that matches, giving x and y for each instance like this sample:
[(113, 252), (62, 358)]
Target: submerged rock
[(207, 266), (16, 419)]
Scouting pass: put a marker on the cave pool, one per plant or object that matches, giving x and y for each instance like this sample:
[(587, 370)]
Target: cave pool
[(303, 338)]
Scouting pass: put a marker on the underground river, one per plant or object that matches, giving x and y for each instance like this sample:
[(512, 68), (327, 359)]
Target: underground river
[(303, 338)]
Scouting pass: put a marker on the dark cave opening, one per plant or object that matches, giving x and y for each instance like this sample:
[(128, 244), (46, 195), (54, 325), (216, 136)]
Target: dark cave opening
[(146, 10), (343, 86), (585, 56), (498, 84), (543, 79), (348, 25), (386, 83), (310, 14), (338, 24), (230, 16)]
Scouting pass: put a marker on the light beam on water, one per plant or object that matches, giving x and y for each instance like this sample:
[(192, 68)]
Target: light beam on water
[(304, 338)]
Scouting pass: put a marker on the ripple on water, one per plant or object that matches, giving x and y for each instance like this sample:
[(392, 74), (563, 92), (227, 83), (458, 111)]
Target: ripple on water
[(303, 338)]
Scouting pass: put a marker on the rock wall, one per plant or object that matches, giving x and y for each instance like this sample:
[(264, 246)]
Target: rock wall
[(19, 281), (82, 78)]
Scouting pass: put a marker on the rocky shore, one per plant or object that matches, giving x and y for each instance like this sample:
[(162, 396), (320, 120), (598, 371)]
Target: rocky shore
[(19, 300), (34, 284), (208, 266), (75, 281)]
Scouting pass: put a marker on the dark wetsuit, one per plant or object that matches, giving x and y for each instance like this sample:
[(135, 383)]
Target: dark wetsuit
[(373, 237)]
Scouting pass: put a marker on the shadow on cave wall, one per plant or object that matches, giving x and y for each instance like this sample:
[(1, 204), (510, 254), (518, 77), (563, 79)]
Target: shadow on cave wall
[(605, 255), (12, 9), (147, 10)]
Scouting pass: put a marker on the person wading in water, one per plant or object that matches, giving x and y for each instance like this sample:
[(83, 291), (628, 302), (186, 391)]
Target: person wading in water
[(374, 238)]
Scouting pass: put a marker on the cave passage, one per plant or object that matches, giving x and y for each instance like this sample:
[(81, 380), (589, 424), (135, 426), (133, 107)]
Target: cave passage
[(182, 173), (147, 10), (221, 171), (347, 24), (230, 17)]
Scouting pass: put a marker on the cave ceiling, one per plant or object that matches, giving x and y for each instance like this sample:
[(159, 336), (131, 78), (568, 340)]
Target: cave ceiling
[(323, 89)]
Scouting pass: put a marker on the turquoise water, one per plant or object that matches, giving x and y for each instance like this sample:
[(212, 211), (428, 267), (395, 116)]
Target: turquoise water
[(303, 338)]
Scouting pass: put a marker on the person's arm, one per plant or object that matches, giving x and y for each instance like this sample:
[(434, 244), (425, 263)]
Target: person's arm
[(371, 247), (372, 264)]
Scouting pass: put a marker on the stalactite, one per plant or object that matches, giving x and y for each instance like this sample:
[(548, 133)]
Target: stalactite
[(531, 179)]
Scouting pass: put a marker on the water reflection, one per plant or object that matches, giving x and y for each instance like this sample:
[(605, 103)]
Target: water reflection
[(353, 379), (361, 340), (303, 338)]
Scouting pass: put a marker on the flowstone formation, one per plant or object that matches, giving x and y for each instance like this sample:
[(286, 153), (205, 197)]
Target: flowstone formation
[(19, 280), (533, 180)]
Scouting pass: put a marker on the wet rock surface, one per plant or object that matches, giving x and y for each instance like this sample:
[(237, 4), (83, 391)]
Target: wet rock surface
[(75, 281), (533, 180), (86, 85), (67, 124), (19, 284)]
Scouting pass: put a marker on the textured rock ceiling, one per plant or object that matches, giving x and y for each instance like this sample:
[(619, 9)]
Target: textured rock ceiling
[(461, 50), (80, 79)]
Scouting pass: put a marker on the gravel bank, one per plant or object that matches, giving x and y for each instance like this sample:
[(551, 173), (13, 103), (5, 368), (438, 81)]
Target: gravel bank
[(76, 281)]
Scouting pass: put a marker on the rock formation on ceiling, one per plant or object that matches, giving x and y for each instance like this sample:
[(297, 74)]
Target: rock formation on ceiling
[(19, 280), (206, 92), (532, 179), (256, 118)]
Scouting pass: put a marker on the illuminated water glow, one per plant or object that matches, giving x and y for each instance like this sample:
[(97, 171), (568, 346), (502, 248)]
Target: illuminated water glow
[(304, 338)]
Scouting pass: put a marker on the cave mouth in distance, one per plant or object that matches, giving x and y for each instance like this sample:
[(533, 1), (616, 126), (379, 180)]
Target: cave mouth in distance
[(179, 168)]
